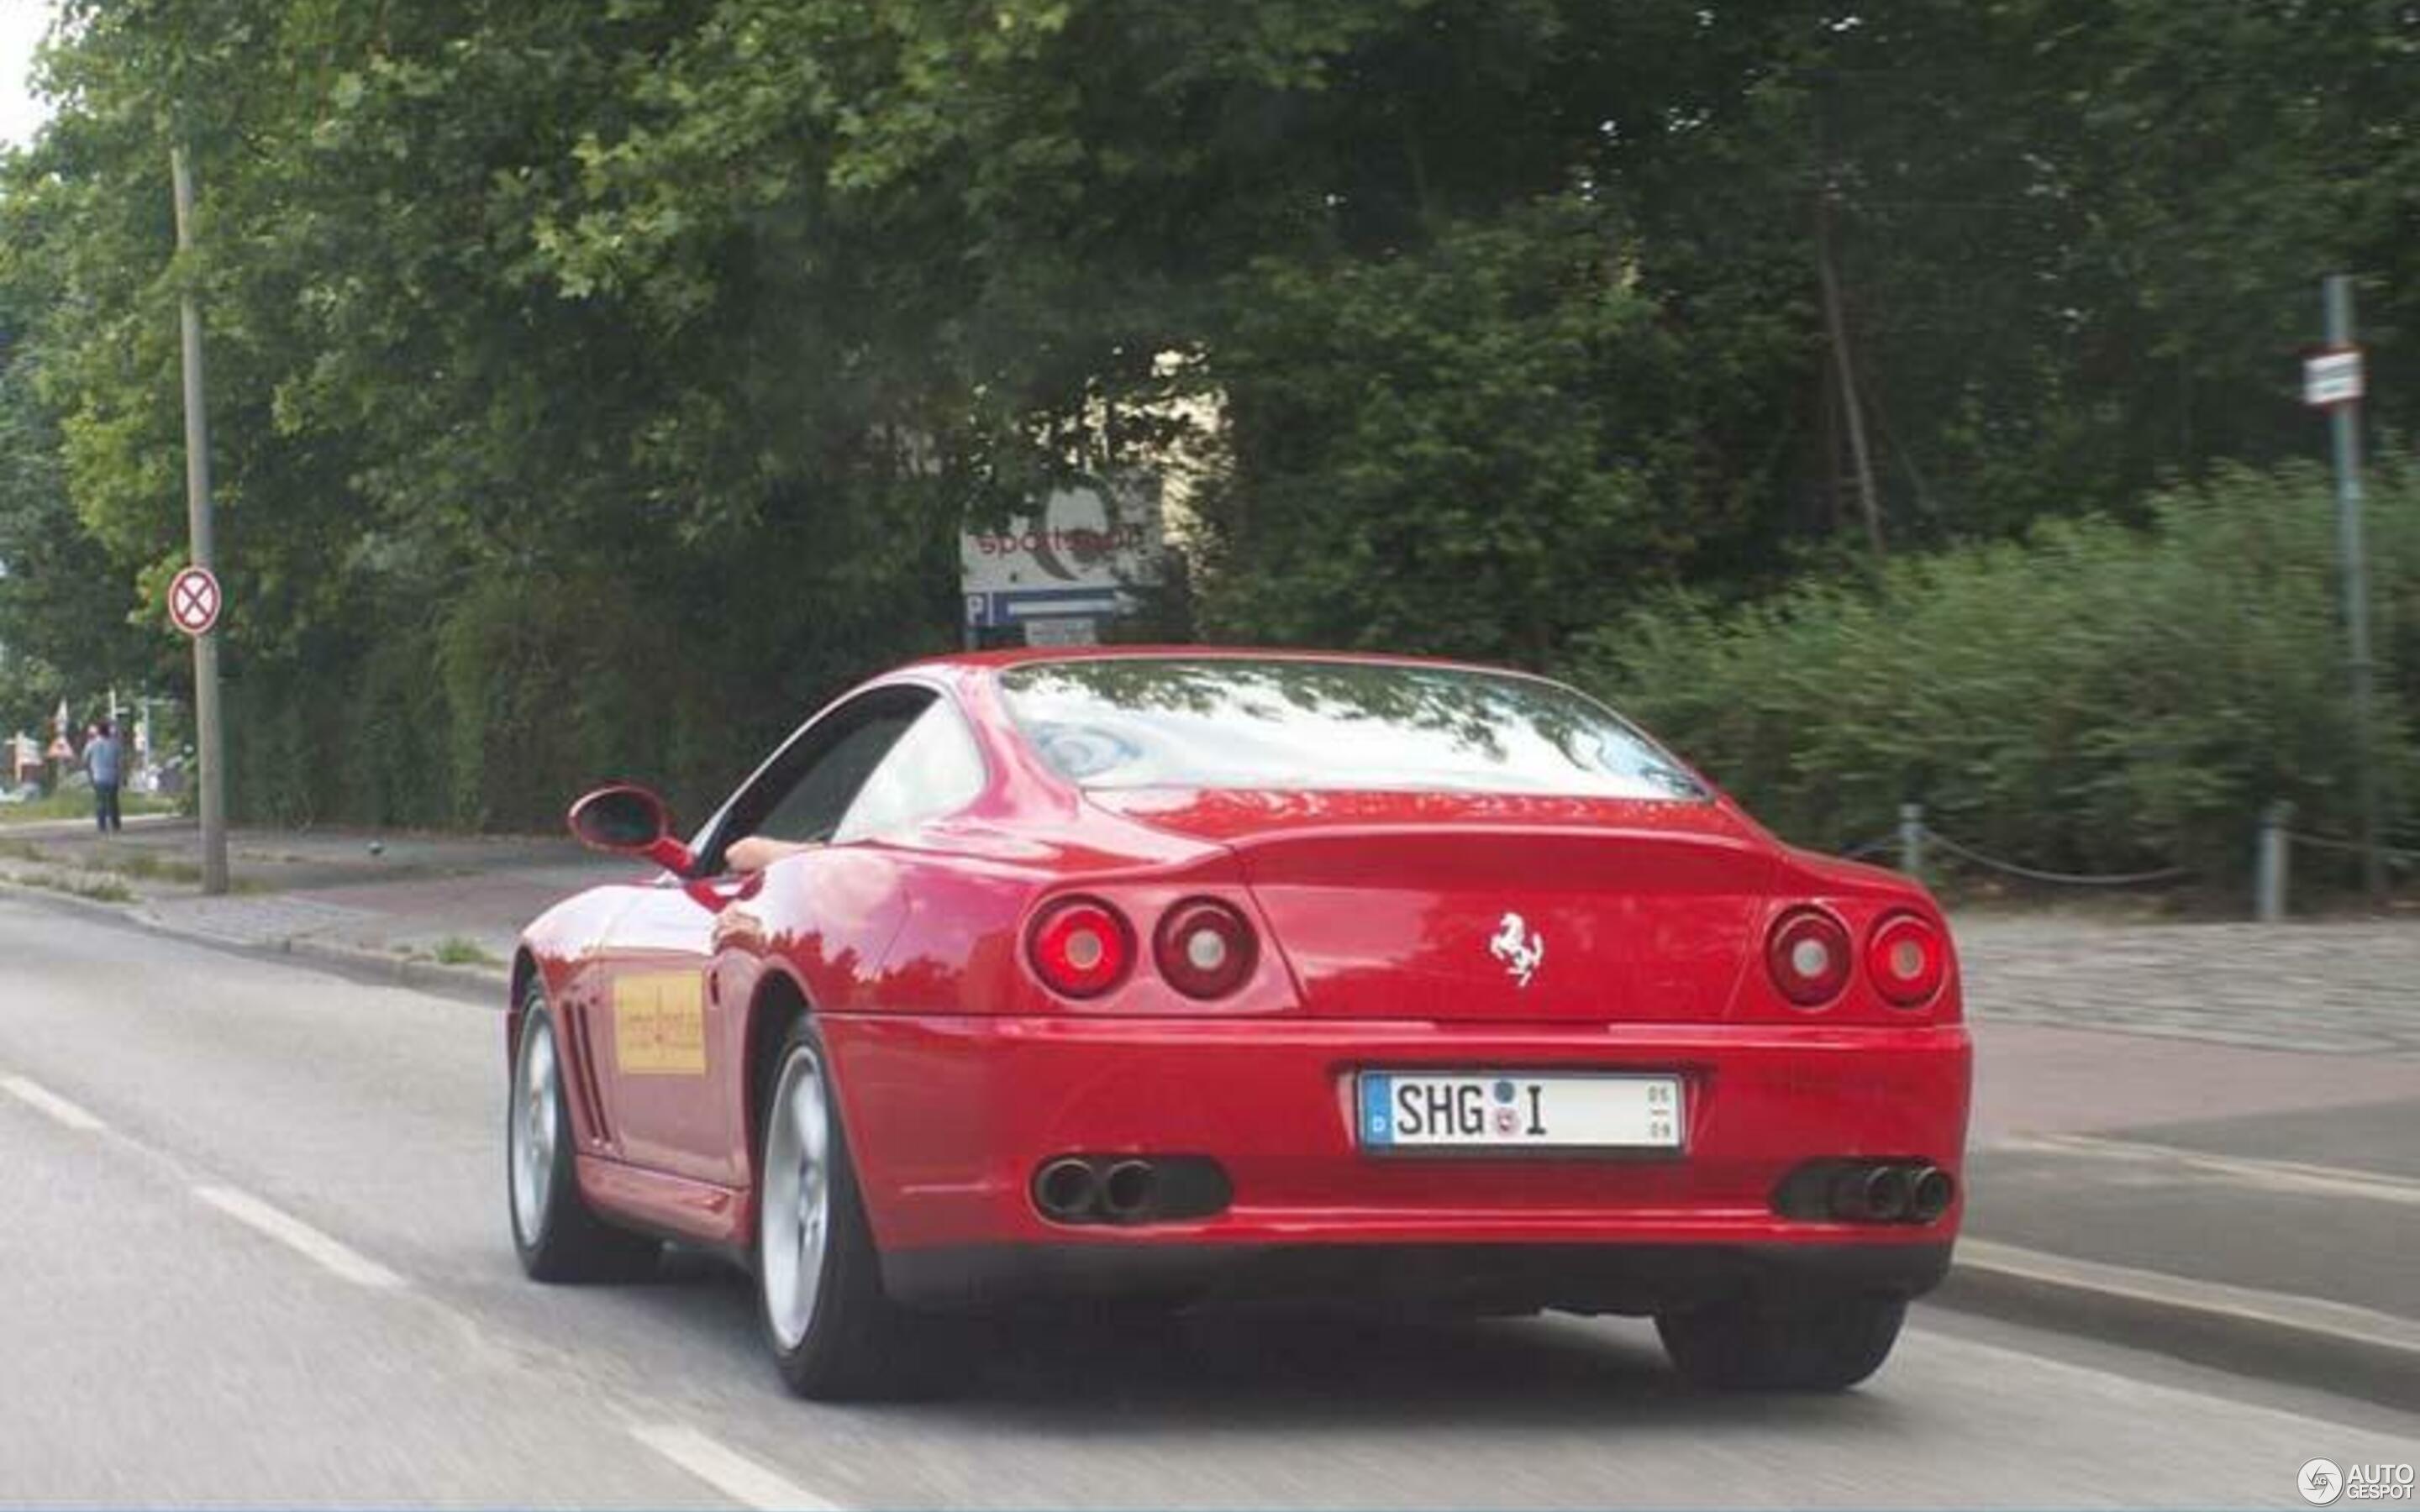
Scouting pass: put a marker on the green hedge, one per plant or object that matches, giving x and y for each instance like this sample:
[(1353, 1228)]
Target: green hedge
[(2099, 697), (524, 689)]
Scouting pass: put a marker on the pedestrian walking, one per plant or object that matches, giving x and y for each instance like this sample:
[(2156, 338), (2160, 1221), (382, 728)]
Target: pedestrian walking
[(101, 762)]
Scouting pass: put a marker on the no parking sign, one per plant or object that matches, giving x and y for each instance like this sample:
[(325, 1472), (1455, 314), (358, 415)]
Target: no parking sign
[(193, 601)]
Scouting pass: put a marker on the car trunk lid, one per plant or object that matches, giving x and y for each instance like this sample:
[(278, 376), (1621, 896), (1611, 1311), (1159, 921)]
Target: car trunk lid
[(1458, 907)]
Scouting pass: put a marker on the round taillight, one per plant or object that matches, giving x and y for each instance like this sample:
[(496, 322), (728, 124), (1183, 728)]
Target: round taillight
[(1080, 947), (1204, 948), (1809, 957), (1907, 958)]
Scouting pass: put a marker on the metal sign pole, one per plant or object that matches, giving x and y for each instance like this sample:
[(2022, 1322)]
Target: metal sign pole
[(2344, 422), (208, 746)]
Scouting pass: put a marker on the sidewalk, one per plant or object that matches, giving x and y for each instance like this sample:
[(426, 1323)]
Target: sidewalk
[(2198, 1137), (2203, 1138), (2253, 1207), (452, 899)]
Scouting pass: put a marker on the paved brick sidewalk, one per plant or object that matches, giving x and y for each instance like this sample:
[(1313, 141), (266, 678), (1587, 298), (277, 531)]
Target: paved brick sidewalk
[(270, 920), (2334, 988)]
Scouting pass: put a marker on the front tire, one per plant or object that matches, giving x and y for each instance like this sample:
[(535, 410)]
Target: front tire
[(834, 1334), (555, 1233), (1751, 1344)]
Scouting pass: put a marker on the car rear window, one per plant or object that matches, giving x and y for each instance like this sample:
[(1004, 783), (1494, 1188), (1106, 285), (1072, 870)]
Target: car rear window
[(1152, 722)]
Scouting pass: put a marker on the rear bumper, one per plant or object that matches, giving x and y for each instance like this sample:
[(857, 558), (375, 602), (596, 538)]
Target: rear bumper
[(949, 1118), (1635, 1279)]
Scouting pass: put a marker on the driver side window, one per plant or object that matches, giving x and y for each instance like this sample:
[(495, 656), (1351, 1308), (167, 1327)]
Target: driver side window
[(803, 795), (932, 770), (813, 810)]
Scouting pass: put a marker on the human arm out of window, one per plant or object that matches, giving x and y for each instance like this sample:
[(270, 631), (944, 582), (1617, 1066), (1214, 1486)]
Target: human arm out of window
[(755, 853)]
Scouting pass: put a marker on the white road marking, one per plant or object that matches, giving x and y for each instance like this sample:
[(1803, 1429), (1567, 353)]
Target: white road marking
[(726, 1469), (302, 1238), (43, 1100), (2274, 1175)]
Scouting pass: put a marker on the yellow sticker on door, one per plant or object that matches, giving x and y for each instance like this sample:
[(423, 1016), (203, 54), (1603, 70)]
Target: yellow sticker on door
[(659, 1024)]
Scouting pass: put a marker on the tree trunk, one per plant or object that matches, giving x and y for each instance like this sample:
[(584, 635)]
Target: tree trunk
[(1844, 372)]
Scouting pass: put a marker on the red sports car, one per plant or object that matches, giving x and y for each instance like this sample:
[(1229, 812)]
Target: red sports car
[(1184, 976)]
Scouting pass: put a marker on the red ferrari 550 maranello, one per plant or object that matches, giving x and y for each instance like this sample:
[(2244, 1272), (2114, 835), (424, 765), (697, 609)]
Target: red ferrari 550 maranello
[(1187, 975)]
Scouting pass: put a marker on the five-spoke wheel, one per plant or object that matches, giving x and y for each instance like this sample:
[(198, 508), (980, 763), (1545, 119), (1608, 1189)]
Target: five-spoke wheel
[(833, 1332), (796, 1226), (555, 1234)]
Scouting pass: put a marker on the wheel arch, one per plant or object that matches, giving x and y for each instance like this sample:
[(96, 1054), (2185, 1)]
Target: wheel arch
[(525, 970), (779, 1001)]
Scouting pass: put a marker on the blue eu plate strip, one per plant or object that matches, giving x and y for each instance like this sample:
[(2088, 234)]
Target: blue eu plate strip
[(1377, 1110)]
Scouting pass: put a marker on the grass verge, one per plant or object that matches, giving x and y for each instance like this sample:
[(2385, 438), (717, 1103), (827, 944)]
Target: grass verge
[(59, 806), (99, 890), (457, 950)]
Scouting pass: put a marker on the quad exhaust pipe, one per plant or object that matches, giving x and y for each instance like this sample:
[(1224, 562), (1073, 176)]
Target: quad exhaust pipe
[(1895, 1194), (1129, 1189), (1867, 1191), (1876, 1194), (1073, 1190), (1929, 1194), (1068, 1190), (1125, 1189)]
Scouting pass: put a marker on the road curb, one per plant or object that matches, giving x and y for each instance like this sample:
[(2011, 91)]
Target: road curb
[(2305, 1340), (483, 985), (62, 898)]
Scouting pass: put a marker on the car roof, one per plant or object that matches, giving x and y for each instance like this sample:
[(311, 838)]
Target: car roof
[(1009, 656)]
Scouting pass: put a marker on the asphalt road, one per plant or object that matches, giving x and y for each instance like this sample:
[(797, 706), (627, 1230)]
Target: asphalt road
[(253, 1250)]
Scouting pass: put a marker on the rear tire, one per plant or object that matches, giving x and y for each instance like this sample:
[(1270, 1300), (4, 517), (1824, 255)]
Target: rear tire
[(555, 1233), (834, 1334), (1754, 1344)]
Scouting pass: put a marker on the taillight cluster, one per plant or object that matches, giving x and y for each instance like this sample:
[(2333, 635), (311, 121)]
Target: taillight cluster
[(1204, 948), (1082, 947), (1810, 956), (1907, 960)]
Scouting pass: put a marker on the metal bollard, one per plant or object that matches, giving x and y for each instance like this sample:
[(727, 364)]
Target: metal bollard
[(1911, 840), (2269, 862)]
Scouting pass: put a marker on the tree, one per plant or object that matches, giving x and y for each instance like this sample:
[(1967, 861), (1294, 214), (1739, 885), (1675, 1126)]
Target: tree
[(595, 387)]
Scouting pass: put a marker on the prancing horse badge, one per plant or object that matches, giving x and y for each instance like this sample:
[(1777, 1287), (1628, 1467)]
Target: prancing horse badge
[(1520, 947)]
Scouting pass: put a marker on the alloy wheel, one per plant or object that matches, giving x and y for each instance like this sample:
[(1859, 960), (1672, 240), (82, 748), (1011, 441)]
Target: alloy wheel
[(795, 1226)]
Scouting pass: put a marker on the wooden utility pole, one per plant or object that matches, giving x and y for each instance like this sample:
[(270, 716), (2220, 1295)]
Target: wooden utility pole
[(209, 747)]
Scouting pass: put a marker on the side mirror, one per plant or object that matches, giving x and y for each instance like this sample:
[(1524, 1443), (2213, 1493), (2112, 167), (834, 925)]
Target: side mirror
[(629, 821)]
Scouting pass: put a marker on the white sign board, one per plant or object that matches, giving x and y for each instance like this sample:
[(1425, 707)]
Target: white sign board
[(2332, 378), (1084, 538), (1044, 630)]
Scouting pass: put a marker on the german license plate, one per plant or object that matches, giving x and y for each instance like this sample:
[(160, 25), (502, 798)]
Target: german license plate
[(1512, 1110)]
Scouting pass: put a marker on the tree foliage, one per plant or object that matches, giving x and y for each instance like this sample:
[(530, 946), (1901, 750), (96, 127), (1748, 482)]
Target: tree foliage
[(596, 384)]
